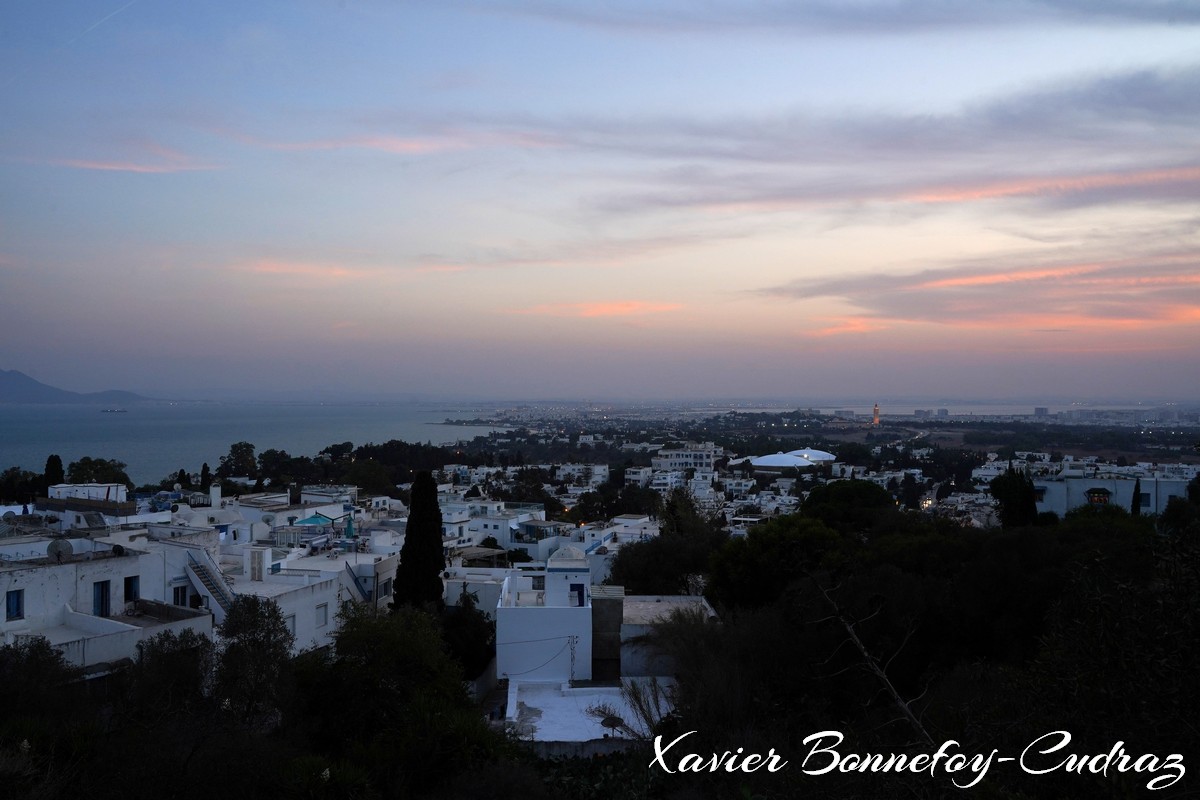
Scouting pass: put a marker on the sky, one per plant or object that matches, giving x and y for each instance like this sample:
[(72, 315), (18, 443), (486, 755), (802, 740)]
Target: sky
[(620, 199)]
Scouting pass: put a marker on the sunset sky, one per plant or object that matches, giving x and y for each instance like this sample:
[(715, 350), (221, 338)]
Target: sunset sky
[(631, 198)]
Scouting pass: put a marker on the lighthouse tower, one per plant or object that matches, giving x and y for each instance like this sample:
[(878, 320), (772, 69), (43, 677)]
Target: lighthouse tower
[(875, 416)]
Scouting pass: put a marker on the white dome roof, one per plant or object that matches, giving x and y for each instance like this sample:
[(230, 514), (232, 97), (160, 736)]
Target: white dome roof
[(567, 553), (813, 455), (781, 461)]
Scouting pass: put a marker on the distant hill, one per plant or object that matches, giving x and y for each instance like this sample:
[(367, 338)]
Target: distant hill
[(17, 387)]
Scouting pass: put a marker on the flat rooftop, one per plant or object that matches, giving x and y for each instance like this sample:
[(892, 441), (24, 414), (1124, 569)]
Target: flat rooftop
[(558, 712), (647, 609)]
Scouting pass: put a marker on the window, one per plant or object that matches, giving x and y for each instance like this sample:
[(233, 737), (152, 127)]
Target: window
[(14, 606), (539, 583), (290, 621), (385, 588), (133, 588), (101, 599), (322, 615), (179, 596)]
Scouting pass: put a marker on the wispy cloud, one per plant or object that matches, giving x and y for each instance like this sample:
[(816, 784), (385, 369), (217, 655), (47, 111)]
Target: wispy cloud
[(618, 308), (423, 143), (149, 158), (889, 17), (396, 145), (590, 251), (1059, 186), (1131, 294), (845, 325), (326, 272)]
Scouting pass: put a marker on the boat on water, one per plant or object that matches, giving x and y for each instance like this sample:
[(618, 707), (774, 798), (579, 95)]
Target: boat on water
[(113, 411)]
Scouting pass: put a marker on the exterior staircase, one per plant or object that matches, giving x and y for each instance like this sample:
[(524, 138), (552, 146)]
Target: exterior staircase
[(213, 586)]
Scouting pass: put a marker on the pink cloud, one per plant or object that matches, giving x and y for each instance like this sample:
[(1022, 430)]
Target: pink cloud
[(302, 269), (387, 144), (1053, 185), (621, 308), (850, 325), (410, 145), (131, 166), (152, 158)]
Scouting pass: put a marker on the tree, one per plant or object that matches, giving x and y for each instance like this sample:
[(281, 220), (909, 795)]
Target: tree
[(1135, 507), (54, 471), (18, 484), (172, 674), (849, 506), (754, 570), (34, 674), (1018, 501), (97, 470), (370, 476), (910, 492), (670, 562), (336, 452), (411, 725), (205, 477), (419, 575), (254, 651), (238, 462), (470, 635)]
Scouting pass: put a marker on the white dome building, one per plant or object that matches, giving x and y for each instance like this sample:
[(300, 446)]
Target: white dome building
[(816, 456), (780, 461)]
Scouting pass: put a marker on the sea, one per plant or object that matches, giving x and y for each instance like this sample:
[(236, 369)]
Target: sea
[(155, 440)]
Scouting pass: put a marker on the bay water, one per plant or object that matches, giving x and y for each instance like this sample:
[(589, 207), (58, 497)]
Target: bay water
[(158, 439)]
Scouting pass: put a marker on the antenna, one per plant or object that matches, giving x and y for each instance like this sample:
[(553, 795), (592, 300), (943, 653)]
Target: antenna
[(59, 550)]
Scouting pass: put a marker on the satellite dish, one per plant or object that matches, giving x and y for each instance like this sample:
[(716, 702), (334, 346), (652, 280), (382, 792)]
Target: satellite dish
[(59, 550), (118, 550), (269, 519), (174, 508), (9, 516), (178, 487)]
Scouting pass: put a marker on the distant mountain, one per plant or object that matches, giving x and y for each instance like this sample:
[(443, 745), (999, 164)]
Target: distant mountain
[(17, 387)]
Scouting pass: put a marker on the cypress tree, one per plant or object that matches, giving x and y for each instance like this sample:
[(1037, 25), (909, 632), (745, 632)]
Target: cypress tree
[(1015, 493), (54, 473), (419, 575), (1135, 508)]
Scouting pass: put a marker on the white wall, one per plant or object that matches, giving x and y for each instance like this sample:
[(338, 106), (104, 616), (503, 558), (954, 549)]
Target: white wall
[(533, 643), (301, 604)]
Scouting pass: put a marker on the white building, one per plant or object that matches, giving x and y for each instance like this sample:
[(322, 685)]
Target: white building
[(689, 456), (638, 476), (544, 622), (91, 600), (666, 482), (86, 505), (583, 474), (1061, 496)]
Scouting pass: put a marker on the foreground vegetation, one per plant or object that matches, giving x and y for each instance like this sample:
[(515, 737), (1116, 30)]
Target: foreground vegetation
[(897, 630)]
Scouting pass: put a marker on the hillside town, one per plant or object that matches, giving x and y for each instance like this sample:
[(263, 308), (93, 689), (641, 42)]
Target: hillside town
[(555, 556)]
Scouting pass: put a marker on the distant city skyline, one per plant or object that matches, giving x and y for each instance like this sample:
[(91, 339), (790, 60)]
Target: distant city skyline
[(558, 199)]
